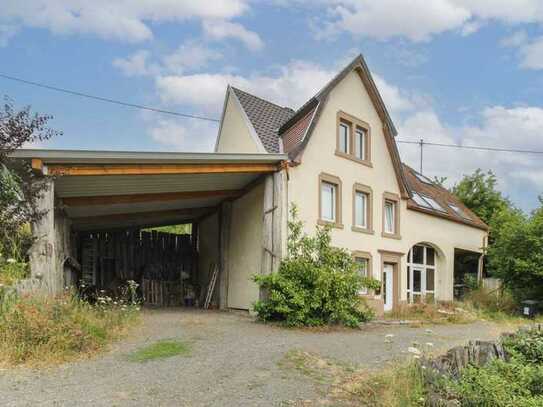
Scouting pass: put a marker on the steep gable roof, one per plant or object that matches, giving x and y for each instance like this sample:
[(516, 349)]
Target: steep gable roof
[(450, 207), (271, 122), (265, 117), (318, 102)]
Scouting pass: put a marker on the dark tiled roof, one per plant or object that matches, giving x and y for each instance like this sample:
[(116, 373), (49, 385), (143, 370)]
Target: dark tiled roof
[(443, 197), (266, 118)]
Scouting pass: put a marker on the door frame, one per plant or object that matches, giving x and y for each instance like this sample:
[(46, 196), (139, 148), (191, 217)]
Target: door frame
[(387, 280), (395, 260)]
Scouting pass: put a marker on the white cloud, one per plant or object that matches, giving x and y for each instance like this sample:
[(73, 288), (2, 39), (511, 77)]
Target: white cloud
[(190, 55), (220, 29), (516, 39), (134, 65), (126, 20), (419, 20), (532, 54), (184, 135), (514, 128)]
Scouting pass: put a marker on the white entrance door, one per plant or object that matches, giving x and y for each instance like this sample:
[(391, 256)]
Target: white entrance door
[(388, 286)]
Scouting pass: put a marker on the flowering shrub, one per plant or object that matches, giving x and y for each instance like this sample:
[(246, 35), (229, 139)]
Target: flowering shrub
[(316, 284), (36, 329)]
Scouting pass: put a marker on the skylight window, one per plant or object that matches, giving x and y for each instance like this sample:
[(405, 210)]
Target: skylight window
[(427, 202), (434, 204), (421, 201), (459, 211), (422, 178)]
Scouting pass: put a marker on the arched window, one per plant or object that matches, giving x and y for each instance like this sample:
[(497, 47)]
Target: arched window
[(421, 274)]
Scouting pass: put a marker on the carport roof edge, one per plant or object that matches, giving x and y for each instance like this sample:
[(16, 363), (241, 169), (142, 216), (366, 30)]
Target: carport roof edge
[(140, 157)]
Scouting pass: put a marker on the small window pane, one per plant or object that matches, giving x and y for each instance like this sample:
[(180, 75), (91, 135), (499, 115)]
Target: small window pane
[(343, 138), (360, 144), (360, 211), (417, 281), (430, 279), (328, 201), (389, 217), (430, 256), (418, 255), (362, 267)]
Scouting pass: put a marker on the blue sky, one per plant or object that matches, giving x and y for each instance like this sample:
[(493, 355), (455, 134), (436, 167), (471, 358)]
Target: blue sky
[(451, 71)]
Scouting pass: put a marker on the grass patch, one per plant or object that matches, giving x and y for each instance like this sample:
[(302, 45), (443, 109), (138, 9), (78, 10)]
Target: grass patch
[(440, 313), (342, 384), (39, 330), (160, 350)]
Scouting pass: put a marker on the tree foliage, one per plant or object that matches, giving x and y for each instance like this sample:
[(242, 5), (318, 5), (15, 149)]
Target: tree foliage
[(316, 284), (516, 253), (20, 187), (479, 193)]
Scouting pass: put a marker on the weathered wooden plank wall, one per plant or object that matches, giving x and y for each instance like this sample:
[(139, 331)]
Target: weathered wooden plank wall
[(108, 257)]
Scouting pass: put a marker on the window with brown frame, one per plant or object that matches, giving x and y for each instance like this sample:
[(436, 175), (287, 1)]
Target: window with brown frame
[(353, 139), (329, 200), (363, 262), (391, 215), (362, 209)]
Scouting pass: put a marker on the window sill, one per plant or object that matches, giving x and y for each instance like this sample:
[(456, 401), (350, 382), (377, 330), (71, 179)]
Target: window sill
[(331, 224), (362, 230), (391, 235), (341, 154)]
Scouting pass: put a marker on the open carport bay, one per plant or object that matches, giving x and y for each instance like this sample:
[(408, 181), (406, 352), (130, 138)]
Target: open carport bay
[(103, 209)]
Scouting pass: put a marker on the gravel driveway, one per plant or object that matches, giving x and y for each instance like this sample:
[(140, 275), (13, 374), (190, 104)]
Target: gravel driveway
[(234, 361)]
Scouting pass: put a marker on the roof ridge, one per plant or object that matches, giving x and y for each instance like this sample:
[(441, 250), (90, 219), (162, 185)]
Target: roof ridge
[(262, 99)]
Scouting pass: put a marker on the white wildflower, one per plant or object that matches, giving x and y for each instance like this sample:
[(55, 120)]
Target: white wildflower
[(11, 261), (430, 344), (414, 350)]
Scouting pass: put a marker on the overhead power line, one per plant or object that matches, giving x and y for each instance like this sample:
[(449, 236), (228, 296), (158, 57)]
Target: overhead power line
[(421, 143), (500, 149), (108, 100)]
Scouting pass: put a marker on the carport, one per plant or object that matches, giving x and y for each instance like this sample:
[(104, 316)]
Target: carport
[(234, 202)]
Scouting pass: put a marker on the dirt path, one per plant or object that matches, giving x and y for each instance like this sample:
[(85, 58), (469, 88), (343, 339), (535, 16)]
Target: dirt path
[(233, 362)]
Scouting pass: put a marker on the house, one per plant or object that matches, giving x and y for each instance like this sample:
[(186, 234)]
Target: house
[(335, 158), (344, 170)]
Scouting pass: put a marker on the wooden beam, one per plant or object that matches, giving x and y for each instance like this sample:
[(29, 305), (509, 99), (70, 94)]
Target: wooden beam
[(159, 169), (142, 198), (37, 166), (139, 217)]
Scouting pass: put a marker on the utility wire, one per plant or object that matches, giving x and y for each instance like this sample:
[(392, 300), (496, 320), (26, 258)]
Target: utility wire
[(499, 149), (103, 99)]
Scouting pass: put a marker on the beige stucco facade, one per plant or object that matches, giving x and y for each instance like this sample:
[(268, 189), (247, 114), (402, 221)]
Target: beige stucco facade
[(319, 160), (236, 134), (245, 248)]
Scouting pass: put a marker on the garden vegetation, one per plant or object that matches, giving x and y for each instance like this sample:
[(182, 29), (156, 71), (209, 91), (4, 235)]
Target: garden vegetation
[(317, 284)]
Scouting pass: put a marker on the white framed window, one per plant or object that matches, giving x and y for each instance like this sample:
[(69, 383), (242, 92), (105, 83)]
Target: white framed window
[(361, 209), (328, 201), (421, 274), (344, 138), (360, 143), (390, 217), (362, 264)]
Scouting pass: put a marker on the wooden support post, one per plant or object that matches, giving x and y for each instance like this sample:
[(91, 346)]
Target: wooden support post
[(225, 219), (44, 265), (274, 224)]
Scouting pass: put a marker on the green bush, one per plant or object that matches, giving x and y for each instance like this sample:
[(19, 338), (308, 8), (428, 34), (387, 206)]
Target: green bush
[(517, 381), (316, 284), (526, 346)]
